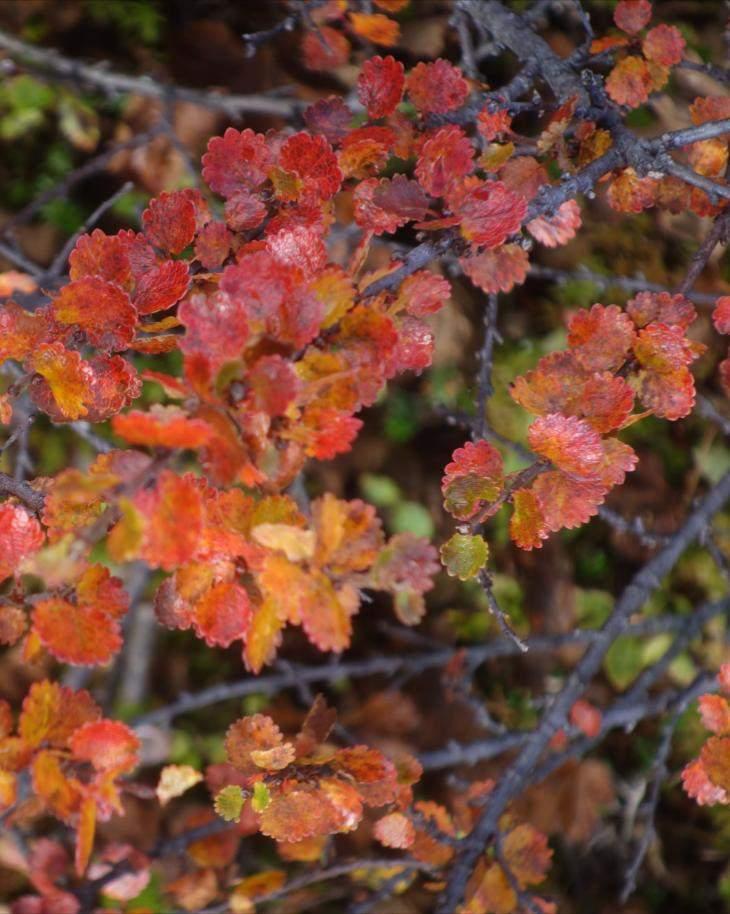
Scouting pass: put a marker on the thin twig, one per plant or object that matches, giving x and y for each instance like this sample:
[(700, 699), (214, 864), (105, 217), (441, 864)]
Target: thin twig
[(50, 61), (59, 261)]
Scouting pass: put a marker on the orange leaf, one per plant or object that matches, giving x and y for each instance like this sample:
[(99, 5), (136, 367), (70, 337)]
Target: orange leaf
[(101, 309), (715, 714), (51, 713), (173, 515), (85, 834), (82, 635), (375, 27), (569, 443), (251, 734), (527, 524), (715, 759), (62, 795), (162, 426), (109, 745), (263, 637), (65, 376)]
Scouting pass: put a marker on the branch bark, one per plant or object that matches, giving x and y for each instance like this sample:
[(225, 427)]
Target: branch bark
[(631, 601)]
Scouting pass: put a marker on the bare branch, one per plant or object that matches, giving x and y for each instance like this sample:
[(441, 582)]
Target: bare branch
[(50, 61), (22, 491), (632, 599)]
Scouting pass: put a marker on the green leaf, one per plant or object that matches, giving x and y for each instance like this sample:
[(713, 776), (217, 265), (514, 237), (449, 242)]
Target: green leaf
[(464, 555), (229, 803), (261, 797), (410, 517), (624, 661), (381, 491)]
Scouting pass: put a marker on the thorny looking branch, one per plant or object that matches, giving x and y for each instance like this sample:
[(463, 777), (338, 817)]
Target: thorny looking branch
[(631, 601)]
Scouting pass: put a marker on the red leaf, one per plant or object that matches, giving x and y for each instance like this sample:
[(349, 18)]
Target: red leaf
[(491, 123), (524, 176), (299, 247), (222, 614), (97, 587), (568, 443), (101, 309), (553, 231), (472, 479), (238, 159), (21, 331), (102, 255), (313, 160), (715, 713), (423, 293), (380, 85), (663, 349), (445, 157), (244, 210), (669, 395), (438, 87), (20, 534), (109, 745), (114, 385), (375, 27), (213, 245), (721, 314), (601, 338), (632, 15), (698, 785), (499, 269), (386, 205), (329, 116), (566, 502), (629, 193), (663, 307), (254, 733), (216, 328), (376, 776), (325, 48), (162, 286), (64, 387), (169, 222), (274, 385), (715, 759), (414, 350), (296, 813), (395, 830), (489, 212), (664, 45), (586, 717)]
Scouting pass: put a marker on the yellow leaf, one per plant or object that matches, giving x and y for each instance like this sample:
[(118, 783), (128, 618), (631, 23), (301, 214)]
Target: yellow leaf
[(175, 780), (296, 544)]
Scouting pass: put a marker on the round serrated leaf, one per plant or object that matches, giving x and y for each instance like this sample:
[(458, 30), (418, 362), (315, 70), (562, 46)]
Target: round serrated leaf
[(464, 555), (229, 803)]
